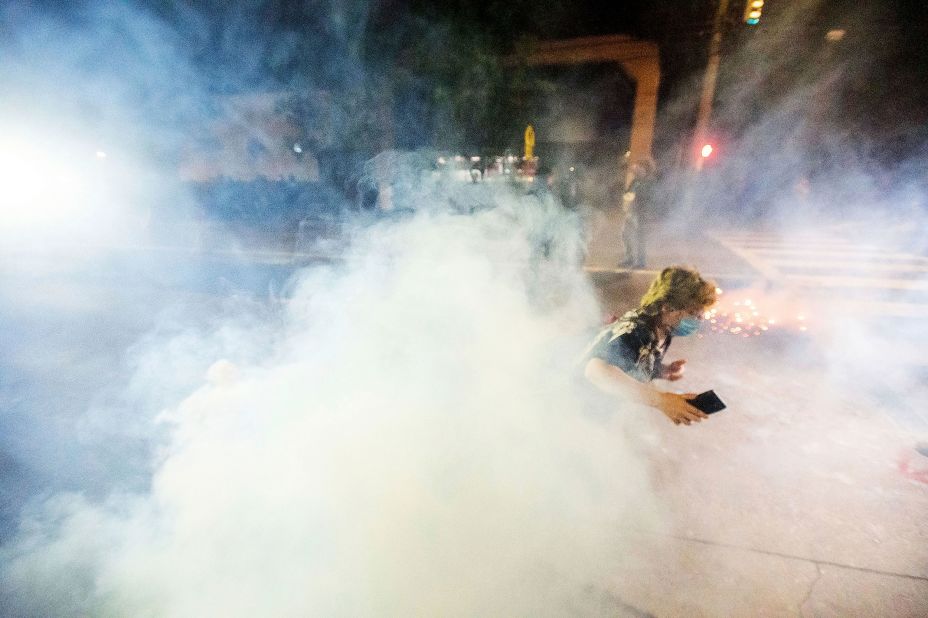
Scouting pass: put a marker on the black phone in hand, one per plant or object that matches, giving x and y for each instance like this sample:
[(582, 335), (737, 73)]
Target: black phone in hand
[(707, 402)]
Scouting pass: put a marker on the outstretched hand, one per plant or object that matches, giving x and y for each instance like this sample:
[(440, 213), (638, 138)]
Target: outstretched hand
[(674, 371), (679, 410)]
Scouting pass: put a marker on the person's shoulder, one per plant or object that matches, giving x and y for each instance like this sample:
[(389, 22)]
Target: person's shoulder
[(632, 324)]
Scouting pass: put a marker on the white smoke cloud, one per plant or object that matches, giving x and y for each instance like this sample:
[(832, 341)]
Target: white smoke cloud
[(405, 438), (416, 444)]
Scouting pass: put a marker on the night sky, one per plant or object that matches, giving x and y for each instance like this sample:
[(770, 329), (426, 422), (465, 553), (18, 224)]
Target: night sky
[(872, 79), (882, 58)]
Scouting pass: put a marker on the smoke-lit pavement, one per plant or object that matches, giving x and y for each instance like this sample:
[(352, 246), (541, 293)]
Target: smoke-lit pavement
[(867, 279), (73, 320), (807, 496)]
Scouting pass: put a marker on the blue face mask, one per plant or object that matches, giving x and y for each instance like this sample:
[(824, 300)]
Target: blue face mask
[(687, 326)]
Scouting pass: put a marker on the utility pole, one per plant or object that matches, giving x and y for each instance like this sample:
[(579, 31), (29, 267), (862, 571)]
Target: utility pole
[(692, 156), (708, 87)]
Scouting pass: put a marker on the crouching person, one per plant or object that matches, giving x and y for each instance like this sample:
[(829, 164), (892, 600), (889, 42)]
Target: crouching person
[(628, 354)]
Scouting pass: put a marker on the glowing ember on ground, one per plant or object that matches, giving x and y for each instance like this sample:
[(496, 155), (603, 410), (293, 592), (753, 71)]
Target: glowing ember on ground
[(753, 312)]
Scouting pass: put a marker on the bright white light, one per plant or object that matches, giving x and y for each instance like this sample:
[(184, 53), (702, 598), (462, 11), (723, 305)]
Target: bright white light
[(52, 188), (707, 150), (475, 159), (37, 181), (297, 148), (442, 160)]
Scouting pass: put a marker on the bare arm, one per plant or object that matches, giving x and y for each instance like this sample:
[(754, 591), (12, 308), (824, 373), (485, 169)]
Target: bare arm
[(613, 381)]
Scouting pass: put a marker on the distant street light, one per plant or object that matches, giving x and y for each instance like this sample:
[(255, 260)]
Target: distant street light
[(835, 35), (706, 151)]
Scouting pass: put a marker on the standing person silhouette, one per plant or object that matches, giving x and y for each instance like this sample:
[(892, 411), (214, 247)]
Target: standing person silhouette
[(636, 202)]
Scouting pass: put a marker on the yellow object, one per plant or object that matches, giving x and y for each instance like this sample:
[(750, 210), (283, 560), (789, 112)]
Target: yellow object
[(529, 143)]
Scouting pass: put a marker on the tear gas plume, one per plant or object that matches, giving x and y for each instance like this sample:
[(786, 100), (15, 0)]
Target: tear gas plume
[(414, 444), (398, 431)]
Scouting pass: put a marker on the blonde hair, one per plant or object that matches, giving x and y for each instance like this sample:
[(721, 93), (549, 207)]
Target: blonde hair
[(678, 287)]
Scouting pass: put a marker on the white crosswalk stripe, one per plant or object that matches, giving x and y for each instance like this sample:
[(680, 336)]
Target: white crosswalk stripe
[(861, 278)]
